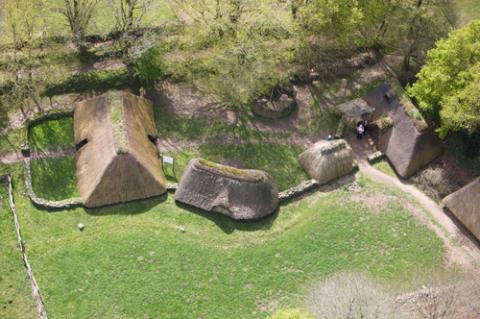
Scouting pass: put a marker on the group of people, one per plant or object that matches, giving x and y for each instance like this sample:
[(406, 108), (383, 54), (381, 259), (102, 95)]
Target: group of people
[(361, 129)]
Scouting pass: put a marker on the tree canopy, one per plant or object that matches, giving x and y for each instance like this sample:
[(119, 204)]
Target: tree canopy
[(448, 86)]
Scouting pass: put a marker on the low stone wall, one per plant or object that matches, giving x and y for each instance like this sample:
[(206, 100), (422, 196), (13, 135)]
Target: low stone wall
[(297, 191), (45, 203)]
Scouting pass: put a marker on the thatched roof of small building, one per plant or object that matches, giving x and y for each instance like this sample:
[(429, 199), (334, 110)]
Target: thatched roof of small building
[(465, 205), (237, 193), (327, 160), (355, 110), (116, 160), (407, 146)]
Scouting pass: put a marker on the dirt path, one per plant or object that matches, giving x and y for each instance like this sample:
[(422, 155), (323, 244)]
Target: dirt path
[(461, 250), (15, 157)]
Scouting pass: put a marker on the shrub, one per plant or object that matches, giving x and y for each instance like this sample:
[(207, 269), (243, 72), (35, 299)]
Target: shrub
[(150, 67)]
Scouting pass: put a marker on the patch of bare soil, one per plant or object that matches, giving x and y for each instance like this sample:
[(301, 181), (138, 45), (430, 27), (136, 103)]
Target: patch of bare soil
[(375, 202)]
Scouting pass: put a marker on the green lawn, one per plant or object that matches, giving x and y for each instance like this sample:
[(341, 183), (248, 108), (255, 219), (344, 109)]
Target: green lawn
[(16, 299), (54, 178), (132, 261), (52, 134)]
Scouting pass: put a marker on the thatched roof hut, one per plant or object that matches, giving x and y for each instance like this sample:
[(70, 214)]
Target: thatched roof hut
[(116, 160), (354, 111), (465, 205), (327, 160), (407, 144), (239, 194)]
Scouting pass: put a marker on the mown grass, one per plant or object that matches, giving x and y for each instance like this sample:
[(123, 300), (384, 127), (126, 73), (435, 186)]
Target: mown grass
[(54, 178), (133, 261), (16, 299), (52, 134)]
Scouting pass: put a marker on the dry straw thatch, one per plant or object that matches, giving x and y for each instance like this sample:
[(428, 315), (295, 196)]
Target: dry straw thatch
[(465, 205), (116, 160), (406, 146), (239, 194), (327, 160)]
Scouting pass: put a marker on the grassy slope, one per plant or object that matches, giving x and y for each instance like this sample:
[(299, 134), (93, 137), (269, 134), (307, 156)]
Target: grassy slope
[(132, 260), (16, 299)]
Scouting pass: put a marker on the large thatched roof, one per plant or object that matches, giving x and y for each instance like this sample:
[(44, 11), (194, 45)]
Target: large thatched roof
[(116, 159), (327, 160), (240, 194), (465, 205), (407, 146)]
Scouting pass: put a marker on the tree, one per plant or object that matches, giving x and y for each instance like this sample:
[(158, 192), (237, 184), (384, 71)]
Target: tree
[(79, 14), (21, 20), (447, 86), (337, 19), (128, 19)]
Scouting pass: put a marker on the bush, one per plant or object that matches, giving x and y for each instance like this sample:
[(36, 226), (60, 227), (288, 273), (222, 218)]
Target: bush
[(150, 67), (291, 314)]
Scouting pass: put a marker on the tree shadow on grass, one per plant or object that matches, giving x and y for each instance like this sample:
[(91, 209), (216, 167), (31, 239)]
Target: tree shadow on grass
[(228, 225)]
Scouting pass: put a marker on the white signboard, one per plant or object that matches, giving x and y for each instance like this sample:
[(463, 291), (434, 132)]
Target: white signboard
[(168, 160)]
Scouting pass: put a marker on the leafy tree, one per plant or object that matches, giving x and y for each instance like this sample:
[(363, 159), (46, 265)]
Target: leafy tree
[(448, 85), (20, 21), (128, 19), (79, 14), (338, 19)]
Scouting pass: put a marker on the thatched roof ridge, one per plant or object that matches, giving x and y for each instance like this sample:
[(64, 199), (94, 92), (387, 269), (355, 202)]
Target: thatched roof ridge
[(239, 194), (116, 161), (465, 205), (250, 175), (327, 160)]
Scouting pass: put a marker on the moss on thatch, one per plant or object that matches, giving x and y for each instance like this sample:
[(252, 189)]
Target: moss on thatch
[(239, 194), (327, 160), (116, 161), (465, 205)]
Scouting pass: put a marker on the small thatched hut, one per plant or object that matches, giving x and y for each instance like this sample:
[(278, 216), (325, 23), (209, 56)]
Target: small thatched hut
[(116, 160), (354, 111), (465, 205), (327, 160), (239, 194), (409, 144)]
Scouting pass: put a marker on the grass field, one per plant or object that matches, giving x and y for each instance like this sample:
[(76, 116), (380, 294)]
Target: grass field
[(54, 178), (134, 261), (16, 299)]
